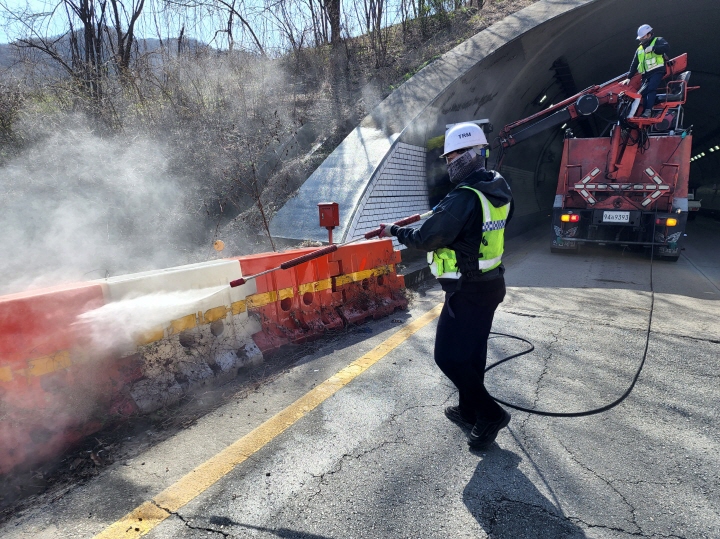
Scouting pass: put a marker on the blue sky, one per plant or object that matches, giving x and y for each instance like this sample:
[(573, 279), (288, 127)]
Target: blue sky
[(201, 16), (17, 5), (48, 6)]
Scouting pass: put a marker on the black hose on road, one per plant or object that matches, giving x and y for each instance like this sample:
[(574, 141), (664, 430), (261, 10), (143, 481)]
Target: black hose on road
[(594, 410)]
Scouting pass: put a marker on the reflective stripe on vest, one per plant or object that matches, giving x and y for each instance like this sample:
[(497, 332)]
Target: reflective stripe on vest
[(647, 61), (443, 262)]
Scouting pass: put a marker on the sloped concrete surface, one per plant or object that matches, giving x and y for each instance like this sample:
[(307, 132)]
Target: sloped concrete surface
[(341, 178), (344, 176)]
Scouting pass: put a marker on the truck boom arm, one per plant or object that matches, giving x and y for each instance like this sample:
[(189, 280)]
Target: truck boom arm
[(583, 103)]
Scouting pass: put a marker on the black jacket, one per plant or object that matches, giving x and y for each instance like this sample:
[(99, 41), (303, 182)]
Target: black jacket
[(457, 224), (661, 47)]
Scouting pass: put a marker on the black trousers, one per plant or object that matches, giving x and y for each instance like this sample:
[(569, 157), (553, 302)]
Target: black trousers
[(461, 350)]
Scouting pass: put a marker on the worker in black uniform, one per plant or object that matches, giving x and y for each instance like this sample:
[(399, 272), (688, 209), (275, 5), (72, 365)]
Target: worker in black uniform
[(465, 240), (649, 60)]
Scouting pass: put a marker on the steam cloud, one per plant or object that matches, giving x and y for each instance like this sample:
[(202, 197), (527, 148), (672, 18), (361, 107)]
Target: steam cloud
[(77, 207), (116, 326)]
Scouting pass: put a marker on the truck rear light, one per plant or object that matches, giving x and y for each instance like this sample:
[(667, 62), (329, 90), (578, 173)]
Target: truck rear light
[(570, 218), (670, 221)]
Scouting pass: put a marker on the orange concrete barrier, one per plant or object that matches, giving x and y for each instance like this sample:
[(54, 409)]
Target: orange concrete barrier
[(57, 386), (354, 283), (369, 283), (294, 305), (39, 415)]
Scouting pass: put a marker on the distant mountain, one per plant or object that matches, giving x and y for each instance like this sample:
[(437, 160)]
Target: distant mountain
[(9, 57)]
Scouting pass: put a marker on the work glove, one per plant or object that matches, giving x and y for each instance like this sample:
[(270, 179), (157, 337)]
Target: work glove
[(385, 231), (625, 82)]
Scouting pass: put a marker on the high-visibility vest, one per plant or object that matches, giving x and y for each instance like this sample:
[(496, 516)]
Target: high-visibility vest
[(443, 261), (647, 61)]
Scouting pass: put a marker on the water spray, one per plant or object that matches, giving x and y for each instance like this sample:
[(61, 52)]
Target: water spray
[(330, 248)]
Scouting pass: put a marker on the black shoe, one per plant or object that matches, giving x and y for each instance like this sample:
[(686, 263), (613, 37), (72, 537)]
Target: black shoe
[(484, 433), (454, 414)]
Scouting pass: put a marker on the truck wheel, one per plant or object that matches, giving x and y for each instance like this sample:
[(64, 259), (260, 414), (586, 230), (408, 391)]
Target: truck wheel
[(691, 216)]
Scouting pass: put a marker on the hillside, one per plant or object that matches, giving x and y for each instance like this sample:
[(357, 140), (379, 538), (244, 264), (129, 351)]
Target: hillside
[(192, 145)]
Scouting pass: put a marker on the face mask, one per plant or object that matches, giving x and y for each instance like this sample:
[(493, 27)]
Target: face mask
[(461, 167)]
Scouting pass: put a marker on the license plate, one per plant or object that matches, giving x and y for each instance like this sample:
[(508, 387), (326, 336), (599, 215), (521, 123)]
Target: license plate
[(616, 217)]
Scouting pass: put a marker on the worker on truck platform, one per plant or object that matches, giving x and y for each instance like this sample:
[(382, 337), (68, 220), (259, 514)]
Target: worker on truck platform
[(649, 60), (465, 240)]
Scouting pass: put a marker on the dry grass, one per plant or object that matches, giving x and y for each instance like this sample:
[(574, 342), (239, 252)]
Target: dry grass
[(226, 122)]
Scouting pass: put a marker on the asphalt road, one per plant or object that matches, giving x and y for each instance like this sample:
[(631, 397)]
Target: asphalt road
[(378, 458)]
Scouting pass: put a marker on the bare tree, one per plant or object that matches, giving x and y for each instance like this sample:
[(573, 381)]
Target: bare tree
[(232, 9), (11, 101), (124, 34), (84, 38), (373, 22), (333, 9), (289, 23)]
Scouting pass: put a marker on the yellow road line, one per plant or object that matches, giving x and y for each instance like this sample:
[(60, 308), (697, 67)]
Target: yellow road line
[(151, 513)]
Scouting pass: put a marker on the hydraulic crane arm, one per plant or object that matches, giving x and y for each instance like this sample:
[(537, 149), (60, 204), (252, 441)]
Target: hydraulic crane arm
[(583, 103)]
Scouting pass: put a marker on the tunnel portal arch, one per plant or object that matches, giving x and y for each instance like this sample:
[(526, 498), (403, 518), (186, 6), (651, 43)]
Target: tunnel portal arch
[(501, 74)]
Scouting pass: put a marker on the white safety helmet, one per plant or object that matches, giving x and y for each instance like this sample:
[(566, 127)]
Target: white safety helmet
[(461, 136), (644, 30)]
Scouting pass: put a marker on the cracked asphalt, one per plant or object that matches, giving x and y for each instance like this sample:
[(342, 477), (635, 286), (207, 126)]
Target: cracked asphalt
[(379, 458)]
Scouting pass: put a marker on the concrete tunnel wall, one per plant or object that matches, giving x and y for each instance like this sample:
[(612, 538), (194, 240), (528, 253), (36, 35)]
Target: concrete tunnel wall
[(377, 174)]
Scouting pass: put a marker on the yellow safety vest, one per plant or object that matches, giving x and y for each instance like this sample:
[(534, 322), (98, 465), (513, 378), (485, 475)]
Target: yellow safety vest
[(647, 61), (443, 261)]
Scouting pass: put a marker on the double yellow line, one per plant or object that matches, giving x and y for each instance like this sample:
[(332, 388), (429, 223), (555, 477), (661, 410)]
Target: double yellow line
[(151, 513)]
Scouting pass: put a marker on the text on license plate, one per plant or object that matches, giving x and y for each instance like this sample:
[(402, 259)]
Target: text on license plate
[(616, 217)]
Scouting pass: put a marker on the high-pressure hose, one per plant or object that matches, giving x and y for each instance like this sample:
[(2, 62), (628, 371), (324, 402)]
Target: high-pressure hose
[(606, 407), (329, 249)]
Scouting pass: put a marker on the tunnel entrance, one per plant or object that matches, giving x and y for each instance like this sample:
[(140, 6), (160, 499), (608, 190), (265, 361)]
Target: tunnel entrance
[(588, 45)]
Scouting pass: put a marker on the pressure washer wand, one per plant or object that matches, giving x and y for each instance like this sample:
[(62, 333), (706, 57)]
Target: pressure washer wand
[(329, 249)]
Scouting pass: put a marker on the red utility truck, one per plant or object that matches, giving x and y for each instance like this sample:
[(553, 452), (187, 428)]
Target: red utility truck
[(627, 188)]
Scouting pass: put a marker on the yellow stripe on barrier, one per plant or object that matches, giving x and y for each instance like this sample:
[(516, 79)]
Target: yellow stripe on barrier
[(286, 293), (150, 336), (6, 374), (38, 366), (362, 275), (260, 300), (151, 513), (238, 307), (182, 324), (214, 314), (47, 364), (317, 286), (265, 298)]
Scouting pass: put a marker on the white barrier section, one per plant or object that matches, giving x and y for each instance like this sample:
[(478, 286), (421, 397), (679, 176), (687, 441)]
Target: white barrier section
[(185, 326)]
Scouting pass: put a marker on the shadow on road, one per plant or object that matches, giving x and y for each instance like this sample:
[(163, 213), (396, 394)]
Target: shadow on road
[(509, 506), (284, 533)]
